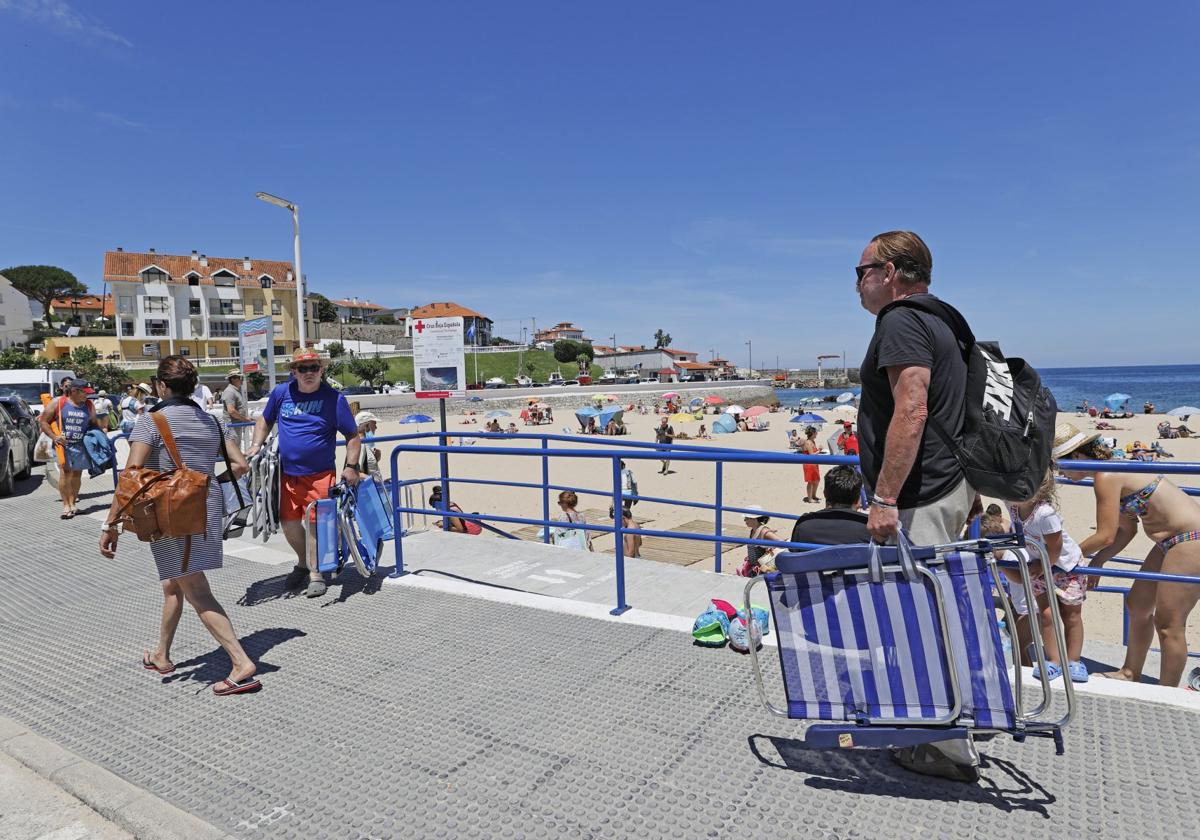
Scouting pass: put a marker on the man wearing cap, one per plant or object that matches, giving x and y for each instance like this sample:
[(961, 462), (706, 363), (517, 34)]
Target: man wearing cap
[(309, 414), (65, 421), (913, 371), (233, 402), (368, 424), (848, 441)]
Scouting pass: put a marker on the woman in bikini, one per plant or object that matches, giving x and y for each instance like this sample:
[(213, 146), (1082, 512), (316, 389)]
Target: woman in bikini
[(1172, 520)]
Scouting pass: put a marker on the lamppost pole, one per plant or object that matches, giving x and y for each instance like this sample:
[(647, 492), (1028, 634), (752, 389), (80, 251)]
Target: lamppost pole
[(290, 205), (750, 349)]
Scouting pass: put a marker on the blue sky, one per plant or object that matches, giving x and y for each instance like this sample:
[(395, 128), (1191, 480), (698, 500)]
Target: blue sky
[(712, 169)]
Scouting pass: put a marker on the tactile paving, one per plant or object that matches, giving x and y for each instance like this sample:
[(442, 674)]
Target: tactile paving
[(396, 712)]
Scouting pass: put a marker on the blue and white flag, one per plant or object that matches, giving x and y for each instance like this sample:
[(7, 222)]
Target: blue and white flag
[(471, 332)]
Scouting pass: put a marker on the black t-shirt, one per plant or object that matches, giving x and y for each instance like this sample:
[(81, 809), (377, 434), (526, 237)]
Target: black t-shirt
[(908, 336), (833, 526), (665, 434)]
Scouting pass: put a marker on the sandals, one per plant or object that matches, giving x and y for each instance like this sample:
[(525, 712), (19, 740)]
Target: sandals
[(227, 687), (149, 665)]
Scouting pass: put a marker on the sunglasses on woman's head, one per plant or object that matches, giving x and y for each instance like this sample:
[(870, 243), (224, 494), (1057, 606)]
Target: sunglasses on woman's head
[(308, 368)]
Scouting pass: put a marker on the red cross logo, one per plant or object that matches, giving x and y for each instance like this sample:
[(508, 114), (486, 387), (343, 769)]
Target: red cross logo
[(420, 327)]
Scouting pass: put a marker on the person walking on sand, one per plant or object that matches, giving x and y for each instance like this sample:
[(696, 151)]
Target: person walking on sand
[(104, 410), (65, 421), (181, 566), (309, 413), (665, 433), (1171, 519), (913, 371), (812, 473)]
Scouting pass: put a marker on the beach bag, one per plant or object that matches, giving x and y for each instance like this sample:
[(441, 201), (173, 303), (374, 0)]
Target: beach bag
[(43, 450), (570, 537), (154, 504), (1008, 430)]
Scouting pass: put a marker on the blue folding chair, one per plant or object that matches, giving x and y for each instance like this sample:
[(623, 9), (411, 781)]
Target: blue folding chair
[(335, 534), (897, 646)]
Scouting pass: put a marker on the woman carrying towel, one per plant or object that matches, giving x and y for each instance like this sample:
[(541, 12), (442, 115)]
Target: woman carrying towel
[(197, 438)]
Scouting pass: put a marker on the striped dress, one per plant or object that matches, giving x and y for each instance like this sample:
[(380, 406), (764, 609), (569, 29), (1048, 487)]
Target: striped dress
[(196, 436)]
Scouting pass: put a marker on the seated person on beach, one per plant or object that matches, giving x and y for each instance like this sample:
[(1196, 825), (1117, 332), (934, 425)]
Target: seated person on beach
[(1168, 432), (457, 525), (512, 428), (612, 428), (1148, 407), (591, 429), (703, 433), (841, 522)]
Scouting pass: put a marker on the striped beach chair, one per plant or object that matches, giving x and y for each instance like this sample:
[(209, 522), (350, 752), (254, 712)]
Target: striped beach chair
[(895, 646)]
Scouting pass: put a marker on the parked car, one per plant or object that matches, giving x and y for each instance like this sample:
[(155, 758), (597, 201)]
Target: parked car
[(569, 382), (402, 386), (495, 382), (22, 413), (16, 454), (357, 390), (630, 379)]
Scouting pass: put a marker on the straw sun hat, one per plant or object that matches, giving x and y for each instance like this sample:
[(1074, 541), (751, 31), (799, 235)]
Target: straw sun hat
[(1067, 438)]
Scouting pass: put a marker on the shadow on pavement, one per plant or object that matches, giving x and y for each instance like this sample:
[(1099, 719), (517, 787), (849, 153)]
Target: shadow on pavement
[(214, 666), (350, 582), (270, 589), (28, 486), (1006, 787)]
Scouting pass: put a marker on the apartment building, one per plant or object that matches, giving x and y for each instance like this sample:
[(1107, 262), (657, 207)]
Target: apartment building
[(81, 310), (355, 311), (191, 305), (16, 317)]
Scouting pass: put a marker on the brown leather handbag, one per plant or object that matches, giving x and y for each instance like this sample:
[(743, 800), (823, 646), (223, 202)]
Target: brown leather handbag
[(154, 504)]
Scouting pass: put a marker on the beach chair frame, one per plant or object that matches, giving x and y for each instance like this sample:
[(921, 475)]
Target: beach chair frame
[(918, 564)]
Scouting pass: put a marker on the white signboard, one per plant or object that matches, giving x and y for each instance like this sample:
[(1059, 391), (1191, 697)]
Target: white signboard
[(257, 347), (439, 361)]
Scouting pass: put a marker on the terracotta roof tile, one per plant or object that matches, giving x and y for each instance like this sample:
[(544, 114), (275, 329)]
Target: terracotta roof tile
[(85, 302), (126, 266), (361, 304), (447, 309)]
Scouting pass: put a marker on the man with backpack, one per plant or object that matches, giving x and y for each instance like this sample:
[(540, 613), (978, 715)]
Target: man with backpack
[(914, 374)]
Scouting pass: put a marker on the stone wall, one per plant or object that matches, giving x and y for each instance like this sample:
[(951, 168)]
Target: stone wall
[(377, 333)]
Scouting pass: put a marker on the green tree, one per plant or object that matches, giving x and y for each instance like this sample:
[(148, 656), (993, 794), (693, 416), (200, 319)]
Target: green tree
[(386, 318), (662, 339), (583, 360), (566, 350), (326, 311), (84, 355), (369, 369), (14, 358), (44, 283), (336, 348)]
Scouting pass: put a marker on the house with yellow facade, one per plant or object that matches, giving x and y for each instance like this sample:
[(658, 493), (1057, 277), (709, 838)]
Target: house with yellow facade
[(190, 305)]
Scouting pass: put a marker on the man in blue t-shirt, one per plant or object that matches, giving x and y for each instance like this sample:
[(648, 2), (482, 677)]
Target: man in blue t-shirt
[(309, 413)]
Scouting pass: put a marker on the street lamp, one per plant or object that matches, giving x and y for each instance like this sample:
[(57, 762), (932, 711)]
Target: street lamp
[(288, 205), (750, 349)]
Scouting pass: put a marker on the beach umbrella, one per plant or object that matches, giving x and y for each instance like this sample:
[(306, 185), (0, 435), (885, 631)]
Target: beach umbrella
[(755, 410), (724, 425), (735, 409), (808, 417), (844, 398), (714, 400), (1116, 401), (586, 412), (671, 395), (683, 418), (492, 415), (609, 413), (695, 401), (1184, 411), (417, 418)]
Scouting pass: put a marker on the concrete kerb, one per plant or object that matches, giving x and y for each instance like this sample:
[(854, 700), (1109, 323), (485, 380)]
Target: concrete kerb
[(142, 814)]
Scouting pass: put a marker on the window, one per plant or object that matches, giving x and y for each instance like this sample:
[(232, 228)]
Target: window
[(125, 304), (1, 298), (264, 281), (222, 329), (156, 327), (276, 308), (258, 307), (185, 351), (224, 278), (234, 350), (212, 350), (278, 329), (156, 304), (153, 275), (194, 307), (193, 279), (280, 350), (2, 321), (127, 328), (229, 307)]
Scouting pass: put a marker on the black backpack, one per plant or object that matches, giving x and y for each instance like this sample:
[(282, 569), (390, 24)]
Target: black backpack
[(1008, 430)]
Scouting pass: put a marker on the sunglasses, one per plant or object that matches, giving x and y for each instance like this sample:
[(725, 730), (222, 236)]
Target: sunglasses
[(308, 368), (860, 270)]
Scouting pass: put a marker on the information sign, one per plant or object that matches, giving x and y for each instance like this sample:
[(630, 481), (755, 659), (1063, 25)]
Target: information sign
[(439, 360), (256, 346)]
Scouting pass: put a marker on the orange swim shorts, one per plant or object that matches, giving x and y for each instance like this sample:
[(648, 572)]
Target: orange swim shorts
[(296, 491)]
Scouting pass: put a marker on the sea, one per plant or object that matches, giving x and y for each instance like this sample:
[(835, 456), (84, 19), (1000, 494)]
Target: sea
[(1167, 386)]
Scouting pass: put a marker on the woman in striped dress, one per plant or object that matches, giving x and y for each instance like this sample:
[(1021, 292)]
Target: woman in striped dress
[(198, 438)]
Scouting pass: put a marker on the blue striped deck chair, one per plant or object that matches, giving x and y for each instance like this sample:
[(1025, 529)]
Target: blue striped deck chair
[(894, 646)]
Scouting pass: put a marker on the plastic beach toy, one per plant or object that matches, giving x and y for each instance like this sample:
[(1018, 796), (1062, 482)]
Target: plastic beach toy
[(710, 628), (739, 629), (762, 618)]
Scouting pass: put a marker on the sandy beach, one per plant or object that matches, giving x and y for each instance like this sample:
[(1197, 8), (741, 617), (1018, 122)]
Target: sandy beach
[(777, 487)]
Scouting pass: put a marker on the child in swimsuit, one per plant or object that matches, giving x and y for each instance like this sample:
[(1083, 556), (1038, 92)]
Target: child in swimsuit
[(1042, 524)]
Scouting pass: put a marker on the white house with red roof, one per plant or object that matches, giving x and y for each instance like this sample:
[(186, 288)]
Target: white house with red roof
[(477, 328), (667, 363)]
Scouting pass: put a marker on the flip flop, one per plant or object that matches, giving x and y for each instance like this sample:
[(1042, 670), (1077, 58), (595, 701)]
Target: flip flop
[(225, 687), (150, 666)]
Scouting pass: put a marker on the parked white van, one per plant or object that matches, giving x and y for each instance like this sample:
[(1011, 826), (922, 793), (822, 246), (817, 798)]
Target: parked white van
[(31, 384)]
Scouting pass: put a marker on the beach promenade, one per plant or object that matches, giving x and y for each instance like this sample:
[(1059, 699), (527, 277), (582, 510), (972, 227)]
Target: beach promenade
[(427, 706)]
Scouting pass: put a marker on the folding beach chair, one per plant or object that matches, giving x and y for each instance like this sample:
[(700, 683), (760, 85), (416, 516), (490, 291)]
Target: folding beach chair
[(898, 646), (335, 534)]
